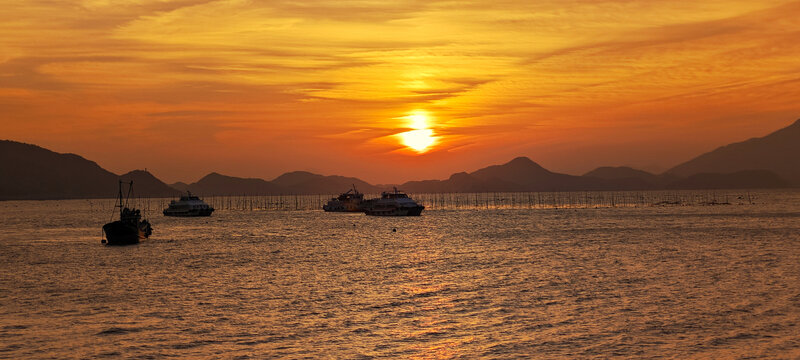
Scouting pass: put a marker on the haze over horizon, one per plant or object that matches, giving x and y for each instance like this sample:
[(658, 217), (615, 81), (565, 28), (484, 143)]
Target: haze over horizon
[(391, 92)]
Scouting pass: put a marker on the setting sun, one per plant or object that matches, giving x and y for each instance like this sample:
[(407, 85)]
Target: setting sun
[(415, 179), (422, 137), (418, 120), (419, 140), (474, 85)]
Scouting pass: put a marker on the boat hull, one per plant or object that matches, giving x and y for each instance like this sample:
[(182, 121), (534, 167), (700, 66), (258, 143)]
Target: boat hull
[(124, 233), (395, 211), (327, 209), (342, 207), (189, 213)]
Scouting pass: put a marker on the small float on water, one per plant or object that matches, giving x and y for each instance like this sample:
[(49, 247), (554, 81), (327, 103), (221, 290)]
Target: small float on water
[(130, 228), (188, 205), (349, 201), (392, 204)]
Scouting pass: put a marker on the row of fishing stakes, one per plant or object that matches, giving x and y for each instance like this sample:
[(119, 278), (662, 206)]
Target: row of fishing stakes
[(476, 201)]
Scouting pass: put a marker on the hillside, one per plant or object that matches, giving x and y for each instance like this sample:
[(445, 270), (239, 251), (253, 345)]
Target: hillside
[(745, 179), (145, 184), (31, 172), (295, 182), (519, 174), (777, 152), (303, 182), (218, 184), (627, 178)]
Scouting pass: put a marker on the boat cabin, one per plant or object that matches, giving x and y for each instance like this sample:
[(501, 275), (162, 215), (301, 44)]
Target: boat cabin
[(393, 195)]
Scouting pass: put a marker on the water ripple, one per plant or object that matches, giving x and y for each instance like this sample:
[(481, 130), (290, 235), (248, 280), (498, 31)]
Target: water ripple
[(666, 282)]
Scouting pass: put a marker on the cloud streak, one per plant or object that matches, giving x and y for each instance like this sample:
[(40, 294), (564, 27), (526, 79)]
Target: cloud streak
[(506, 75)]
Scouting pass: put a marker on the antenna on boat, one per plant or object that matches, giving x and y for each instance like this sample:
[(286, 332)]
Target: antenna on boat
[(119, 201), (120, 198), (130, 192)]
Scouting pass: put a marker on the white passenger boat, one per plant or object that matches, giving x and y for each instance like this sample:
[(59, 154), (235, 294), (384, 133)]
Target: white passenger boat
[(392, 204), (188, 205)]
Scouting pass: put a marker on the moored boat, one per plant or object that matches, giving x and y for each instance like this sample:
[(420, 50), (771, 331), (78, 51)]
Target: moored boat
[(349, 201), (188, 205), (130, 228), (392, 204)]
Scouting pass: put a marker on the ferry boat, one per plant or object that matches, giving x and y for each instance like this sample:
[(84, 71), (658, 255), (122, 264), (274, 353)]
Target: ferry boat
[(130, 228), (188, 205), (349, 201), (392, 204)]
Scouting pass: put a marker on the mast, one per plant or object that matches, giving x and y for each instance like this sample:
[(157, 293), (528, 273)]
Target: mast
[(122, 205), (120, 199), (130, 191)]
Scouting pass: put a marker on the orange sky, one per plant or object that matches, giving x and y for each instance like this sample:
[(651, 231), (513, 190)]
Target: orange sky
[(257, 88)]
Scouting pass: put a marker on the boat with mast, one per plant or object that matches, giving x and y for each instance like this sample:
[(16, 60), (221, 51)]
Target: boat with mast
[(349, 201), (130, 228)]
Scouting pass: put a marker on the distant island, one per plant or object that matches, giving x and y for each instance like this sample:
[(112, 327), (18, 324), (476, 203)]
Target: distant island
[(29, 172)]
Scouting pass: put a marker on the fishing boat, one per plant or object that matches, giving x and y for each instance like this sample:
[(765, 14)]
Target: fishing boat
[(188, 205), (349, 201), (392, 204), (130, 228)]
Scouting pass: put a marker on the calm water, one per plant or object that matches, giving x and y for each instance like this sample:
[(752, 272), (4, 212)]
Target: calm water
[(647, 282)]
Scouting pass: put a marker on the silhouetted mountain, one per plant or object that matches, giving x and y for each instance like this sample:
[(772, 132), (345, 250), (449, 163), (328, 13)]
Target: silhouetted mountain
[(147, 185), (519, 170), (458, 182), (627, 178), (519, 174), (31, 172), (296, 182), (303, 182), (620, 172), (216, 184), (747, 179), (776, 152), (180, 186), (522, 174), (34, 173)]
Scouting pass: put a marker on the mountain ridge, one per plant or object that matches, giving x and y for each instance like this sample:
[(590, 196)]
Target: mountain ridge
[(30, 172), (776, 152)]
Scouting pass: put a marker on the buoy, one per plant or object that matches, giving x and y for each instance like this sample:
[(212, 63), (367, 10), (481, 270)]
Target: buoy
[(394, 229), (103, 241)]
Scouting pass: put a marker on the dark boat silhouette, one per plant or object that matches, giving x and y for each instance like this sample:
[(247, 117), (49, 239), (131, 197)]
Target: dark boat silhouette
[(130, 228), (349, 201)]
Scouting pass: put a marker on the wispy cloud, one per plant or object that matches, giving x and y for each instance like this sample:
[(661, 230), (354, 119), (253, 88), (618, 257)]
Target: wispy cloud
[(505, 74)]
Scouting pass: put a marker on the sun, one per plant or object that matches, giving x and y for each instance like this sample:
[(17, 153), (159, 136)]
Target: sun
[(417, 120), (418, 140), (421, 137)]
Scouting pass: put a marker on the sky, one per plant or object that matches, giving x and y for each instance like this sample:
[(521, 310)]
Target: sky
[(390, 91)]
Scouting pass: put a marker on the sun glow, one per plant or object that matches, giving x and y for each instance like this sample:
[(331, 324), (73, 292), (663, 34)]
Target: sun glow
[(419, 140), (418, 120), (422, 137)]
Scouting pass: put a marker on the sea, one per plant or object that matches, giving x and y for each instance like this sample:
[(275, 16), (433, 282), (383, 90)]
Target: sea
[(670, 280)]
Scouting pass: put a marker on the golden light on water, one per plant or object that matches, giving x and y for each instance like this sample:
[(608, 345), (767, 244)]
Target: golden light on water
[(422, 137)]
